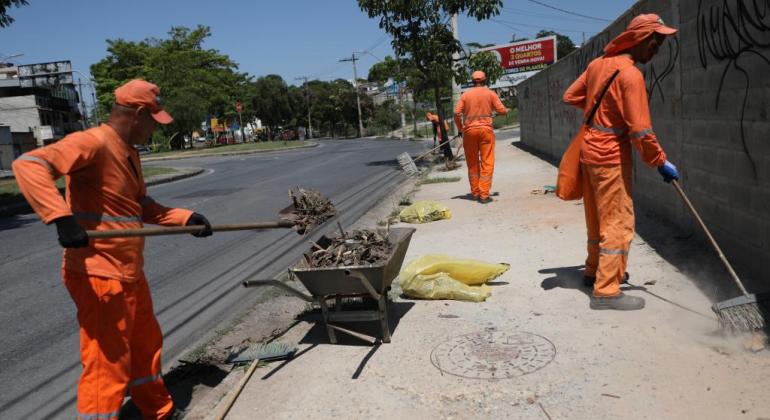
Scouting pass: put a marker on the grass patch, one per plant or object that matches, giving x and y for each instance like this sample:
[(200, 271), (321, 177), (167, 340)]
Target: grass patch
[(229, 148), (439, 180), (9, 191)]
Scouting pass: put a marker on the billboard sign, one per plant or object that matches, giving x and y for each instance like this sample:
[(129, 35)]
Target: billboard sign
[(523, 59), (46, 75)]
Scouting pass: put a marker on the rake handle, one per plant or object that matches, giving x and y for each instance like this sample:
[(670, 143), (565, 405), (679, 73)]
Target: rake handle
[(710, 238), (178, 230)]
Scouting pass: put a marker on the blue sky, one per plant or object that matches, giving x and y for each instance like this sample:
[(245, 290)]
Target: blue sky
[(291, 37)]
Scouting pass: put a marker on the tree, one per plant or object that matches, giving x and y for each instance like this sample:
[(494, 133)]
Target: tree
[(194, 81), (6, 19), (384, 70), (420, 31), (487, 62), (564, 44), (271, 102)]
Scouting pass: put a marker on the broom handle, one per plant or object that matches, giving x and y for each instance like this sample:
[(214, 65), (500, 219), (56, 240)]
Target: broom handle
[(177, 230), (711, 238), (431, 150)]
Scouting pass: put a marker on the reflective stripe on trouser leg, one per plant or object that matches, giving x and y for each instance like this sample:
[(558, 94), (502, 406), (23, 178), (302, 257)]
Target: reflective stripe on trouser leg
[(106, 322), (471, 148), (611, 186), (146, 388), (487, 158), (592, 225)]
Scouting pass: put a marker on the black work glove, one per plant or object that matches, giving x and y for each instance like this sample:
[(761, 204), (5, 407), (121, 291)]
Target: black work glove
[(199, 219), (71, 235)]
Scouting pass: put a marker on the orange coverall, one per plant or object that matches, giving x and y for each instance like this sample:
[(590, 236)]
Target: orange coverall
[(622, 120), (120, 340), (473, 116)]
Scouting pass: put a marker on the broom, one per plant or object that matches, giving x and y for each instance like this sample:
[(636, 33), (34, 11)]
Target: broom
[(743, 313)]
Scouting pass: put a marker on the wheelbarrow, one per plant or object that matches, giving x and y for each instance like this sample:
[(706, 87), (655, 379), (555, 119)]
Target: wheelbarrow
[(367, 281)]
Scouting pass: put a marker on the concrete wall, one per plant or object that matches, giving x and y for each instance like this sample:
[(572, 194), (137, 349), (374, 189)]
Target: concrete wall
[(709, 99)]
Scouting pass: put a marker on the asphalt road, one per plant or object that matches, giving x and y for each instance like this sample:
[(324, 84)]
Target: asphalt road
[(195, 282)]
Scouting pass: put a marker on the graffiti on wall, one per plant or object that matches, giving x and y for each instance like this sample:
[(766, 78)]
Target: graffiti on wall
[(727, 34), (656, 75), (588, 52)]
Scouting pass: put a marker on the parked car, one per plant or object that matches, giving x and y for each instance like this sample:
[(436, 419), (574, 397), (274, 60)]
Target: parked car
[(143, 149)]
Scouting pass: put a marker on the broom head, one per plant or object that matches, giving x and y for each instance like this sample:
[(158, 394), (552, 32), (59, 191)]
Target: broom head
[(743, 313)]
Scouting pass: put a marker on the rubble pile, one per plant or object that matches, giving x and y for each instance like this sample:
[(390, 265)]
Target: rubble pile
[(310, 209), (362, 247)]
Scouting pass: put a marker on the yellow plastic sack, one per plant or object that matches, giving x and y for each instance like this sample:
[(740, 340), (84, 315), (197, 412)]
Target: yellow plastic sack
[(435, 276), (425, 211)]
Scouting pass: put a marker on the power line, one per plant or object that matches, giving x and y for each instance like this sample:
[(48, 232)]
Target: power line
[(568, 12), (519, 30), (512, 11), (545, 27)]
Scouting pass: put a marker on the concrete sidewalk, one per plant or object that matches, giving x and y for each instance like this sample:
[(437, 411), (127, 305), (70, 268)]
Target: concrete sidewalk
[(664, 362)]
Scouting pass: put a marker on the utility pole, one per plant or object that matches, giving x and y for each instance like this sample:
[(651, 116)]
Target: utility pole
[(353, 58), (455, 87), (84, 111), (307, 104), (96, 106)]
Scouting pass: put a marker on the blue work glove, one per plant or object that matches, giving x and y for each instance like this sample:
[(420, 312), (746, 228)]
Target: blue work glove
[(197, 219), (668, 171)]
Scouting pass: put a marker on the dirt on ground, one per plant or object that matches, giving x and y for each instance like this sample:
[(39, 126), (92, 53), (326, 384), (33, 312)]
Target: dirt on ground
[(200, 381)]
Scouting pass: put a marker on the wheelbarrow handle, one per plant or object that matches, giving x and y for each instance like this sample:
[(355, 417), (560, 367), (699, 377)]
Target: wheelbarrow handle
[(177, 230)]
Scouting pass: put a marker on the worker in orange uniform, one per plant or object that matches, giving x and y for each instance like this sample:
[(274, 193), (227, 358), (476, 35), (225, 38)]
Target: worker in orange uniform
[(443, 139), (120, 339), (622, 119), (473, 116)]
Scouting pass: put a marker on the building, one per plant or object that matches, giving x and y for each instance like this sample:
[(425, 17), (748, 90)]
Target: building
[(39, 104)]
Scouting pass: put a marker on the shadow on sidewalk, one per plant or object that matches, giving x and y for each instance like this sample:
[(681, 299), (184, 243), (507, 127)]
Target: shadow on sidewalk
[(181, 383), (318, 335), (566, 278)]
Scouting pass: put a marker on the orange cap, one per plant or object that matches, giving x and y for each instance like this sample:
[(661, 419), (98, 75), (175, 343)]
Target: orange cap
[(638, 29), (139, 93), (478, 75)]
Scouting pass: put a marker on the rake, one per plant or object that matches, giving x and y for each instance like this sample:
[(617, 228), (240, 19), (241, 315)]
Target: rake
[(743, 313), (254, 354), (408, 164)]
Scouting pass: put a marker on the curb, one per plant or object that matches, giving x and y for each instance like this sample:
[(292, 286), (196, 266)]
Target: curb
[(248, 152), (23, 207)]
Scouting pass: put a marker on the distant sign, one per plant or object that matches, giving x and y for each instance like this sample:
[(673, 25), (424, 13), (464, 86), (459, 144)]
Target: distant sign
[(522, 60), (45, 74)]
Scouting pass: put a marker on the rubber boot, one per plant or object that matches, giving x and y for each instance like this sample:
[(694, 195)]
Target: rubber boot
[(621, 302)]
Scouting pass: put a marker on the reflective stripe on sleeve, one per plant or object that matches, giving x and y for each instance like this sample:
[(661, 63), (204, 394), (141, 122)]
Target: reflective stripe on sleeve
[(93, 217), (638, 134), (477, 117), (37, 160)]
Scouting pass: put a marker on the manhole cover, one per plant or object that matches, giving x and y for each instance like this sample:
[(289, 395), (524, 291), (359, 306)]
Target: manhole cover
[(493, 354)]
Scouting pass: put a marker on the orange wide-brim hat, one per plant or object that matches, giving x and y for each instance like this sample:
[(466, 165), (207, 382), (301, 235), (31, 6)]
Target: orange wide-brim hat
[(639, 29)]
